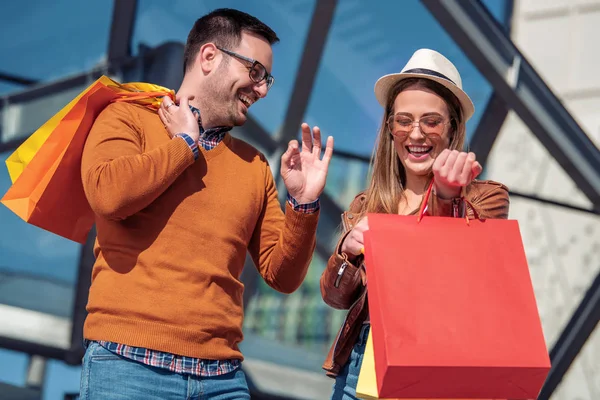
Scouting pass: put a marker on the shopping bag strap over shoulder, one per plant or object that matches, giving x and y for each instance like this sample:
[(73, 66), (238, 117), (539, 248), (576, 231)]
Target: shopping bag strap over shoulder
[(146, 94)]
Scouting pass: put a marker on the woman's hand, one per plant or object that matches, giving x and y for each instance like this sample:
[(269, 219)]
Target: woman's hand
[(452, 170), (354, 243)]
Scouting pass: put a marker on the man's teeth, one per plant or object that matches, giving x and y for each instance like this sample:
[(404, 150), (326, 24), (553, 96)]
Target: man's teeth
[(245, 100)]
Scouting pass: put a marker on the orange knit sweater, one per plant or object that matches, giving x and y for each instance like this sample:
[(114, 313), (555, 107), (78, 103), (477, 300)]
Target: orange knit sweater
[(173, 235)]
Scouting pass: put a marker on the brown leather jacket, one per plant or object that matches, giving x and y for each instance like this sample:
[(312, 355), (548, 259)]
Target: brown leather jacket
[(343, 284)]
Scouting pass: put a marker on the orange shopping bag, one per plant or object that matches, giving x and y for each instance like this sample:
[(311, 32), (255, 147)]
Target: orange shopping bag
[(46, 170), (452, 309)]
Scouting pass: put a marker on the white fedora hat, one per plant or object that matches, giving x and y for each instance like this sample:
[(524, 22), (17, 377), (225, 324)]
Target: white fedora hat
[(427, 64)]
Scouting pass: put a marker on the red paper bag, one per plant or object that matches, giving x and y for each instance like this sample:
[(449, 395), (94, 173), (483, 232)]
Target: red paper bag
[(452, 309)]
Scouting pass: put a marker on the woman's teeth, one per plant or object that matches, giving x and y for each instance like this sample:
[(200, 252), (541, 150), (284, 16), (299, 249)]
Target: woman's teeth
[(419, 150)]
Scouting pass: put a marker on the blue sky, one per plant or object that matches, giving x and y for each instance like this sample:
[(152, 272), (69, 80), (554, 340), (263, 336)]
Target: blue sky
[(366, 41)]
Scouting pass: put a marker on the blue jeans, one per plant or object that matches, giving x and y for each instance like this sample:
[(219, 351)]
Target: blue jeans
[(344, 387), (107, 376)]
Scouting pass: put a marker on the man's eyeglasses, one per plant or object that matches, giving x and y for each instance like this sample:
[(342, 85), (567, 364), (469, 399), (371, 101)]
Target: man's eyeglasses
[(432, 126), (257, 71)]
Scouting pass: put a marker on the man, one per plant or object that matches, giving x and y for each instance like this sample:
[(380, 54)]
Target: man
[(178, 202)]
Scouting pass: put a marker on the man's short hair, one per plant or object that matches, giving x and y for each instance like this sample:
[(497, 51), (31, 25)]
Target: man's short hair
[(224, 28)]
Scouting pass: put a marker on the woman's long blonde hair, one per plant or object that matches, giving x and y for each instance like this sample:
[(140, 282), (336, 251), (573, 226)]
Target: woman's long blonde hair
[(388, 176)]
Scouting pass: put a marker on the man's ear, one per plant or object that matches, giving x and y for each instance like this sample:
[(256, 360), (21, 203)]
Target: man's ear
[(208, 57)]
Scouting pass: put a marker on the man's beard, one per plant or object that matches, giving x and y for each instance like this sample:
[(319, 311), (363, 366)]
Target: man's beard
[(222, 105)]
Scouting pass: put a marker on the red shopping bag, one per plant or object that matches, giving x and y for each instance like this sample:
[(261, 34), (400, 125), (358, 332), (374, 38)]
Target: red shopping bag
[(46, 170), (452, 309), (366, 388)]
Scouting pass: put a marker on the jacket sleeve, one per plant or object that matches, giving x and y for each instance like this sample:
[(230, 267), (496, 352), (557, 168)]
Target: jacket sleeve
[(481, 199), (342, 281)]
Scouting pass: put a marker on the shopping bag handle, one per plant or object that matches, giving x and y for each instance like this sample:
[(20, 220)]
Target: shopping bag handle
[(150, 99), (132, 96), (426, 200)]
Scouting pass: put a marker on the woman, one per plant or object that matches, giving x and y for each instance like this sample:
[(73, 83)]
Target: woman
[(421, 138)]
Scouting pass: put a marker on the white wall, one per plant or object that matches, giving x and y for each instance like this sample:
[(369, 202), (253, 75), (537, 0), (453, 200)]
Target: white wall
[(561, 38)]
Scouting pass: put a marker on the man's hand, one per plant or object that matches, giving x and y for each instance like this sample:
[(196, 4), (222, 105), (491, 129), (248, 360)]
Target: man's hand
[(179, 118), (354, 243), (452, 170), (304, 172)]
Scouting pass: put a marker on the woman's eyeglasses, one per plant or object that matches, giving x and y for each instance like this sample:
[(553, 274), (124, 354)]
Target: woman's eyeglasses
[(432, 126)]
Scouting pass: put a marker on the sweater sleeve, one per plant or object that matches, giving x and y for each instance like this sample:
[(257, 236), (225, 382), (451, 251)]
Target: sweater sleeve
[(119, 177), (282, 245)]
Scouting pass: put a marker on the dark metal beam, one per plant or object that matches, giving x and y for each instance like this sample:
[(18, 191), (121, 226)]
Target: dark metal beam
[(121, 30), (509, 6), (11, 145), (82, 287), (487, 130), (54, 87), (30, 348), (19, 80), (486, 44), (309, 66), (11, 392), (554, 203), (583, 322)]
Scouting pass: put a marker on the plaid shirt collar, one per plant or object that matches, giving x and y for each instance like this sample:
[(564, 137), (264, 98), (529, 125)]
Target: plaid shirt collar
[(212, 136)]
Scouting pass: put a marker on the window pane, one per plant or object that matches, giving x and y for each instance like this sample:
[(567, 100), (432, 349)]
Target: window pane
[(367, 41), (37, 277), (20, 119), (44, 40), (346, 178), (300, 319)]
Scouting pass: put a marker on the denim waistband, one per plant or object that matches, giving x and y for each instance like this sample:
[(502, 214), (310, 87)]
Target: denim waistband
[(364, 334)]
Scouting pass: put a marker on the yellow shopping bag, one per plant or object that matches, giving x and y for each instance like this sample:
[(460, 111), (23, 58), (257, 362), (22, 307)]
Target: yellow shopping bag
[(47, 190), (367, 382)]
